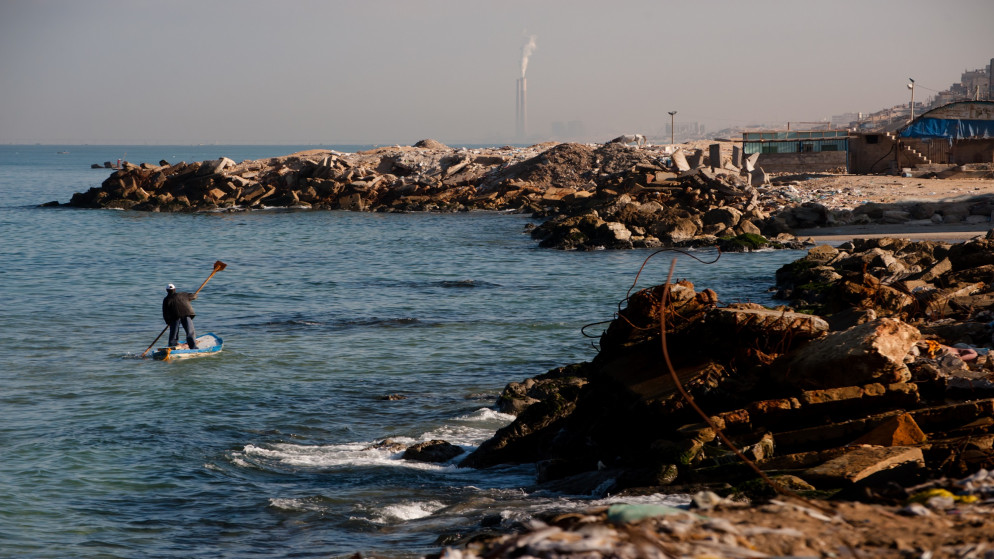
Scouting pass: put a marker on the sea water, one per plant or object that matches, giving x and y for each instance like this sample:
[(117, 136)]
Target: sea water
[(270, 449)]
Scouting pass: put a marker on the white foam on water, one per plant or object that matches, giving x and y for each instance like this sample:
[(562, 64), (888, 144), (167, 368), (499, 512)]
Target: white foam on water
[(406, 511), (488, 415), (330, 456), (296, 505), (471, 429), (466, 431)]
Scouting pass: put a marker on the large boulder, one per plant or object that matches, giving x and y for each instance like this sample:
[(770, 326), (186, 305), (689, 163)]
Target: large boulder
[(873, 352), (432, 451), (725, 215)]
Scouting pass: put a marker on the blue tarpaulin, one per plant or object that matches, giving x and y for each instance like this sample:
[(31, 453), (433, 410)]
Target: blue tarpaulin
[(951, 128)]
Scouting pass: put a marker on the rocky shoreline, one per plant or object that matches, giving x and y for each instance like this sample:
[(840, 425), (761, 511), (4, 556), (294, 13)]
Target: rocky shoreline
[(607, 196), (587, 196), (869, 397), (859, 411)]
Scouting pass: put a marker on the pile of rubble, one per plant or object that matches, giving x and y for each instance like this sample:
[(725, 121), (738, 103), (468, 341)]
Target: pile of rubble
[(893, 383), (935, 523), (427, 176), (591, 196), (886, 397), (811, 201), (672, 200)]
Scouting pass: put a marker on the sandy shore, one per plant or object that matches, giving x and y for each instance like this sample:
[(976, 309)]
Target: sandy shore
[(851, 191), (947, 233)]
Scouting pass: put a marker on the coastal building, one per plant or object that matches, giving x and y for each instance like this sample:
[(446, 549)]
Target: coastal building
[(797, 150), (958, 133)]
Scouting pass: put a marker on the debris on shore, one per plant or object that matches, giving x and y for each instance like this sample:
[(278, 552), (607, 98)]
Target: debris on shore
[(935, 524), (588, 196), (895, 367), (884, 399)]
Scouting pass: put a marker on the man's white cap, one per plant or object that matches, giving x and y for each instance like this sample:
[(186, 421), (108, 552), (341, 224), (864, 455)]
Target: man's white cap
[(170, 287)]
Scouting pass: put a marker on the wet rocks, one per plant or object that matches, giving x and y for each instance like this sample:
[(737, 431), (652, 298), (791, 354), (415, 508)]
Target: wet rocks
[(891, 384), (589, 196), (432, 451), (518, 396)]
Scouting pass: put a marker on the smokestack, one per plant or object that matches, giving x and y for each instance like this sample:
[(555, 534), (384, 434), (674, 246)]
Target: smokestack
[(523, 112), (517, 109)]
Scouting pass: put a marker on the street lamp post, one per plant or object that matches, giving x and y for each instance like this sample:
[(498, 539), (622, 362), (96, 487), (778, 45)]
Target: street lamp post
[(672, 129), (911, 86)]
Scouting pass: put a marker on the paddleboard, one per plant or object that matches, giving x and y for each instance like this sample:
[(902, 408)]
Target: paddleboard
[(208, 344)]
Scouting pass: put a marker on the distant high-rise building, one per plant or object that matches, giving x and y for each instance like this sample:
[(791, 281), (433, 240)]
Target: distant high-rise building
[(990, 81)]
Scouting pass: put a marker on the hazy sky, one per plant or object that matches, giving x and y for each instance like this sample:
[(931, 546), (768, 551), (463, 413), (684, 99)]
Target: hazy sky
[(397, 71)]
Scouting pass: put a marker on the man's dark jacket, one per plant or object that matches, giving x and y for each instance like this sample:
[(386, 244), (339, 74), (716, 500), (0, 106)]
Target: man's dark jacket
[(176, 305)]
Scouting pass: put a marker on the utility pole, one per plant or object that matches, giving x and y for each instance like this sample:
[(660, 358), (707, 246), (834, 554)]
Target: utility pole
[(672, 129), (911, 86)]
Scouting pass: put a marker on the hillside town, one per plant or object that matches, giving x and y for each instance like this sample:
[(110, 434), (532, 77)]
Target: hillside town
[(974, 85)]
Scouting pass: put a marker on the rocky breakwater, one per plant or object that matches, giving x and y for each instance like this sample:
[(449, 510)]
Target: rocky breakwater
[(676, 200), (589, 196), (427, 176), (889, 386)]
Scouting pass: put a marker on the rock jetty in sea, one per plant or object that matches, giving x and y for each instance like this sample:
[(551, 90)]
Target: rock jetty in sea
[(877, 377), (588, 196)]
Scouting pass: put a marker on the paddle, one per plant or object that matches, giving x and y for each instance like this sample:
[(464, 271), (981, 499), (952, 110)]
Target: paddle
[(218, 266)]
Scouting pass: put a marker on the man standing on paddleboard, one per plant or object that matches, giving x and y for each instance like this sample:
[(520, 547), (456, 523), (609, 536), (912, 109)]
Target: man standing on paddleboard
[(176, 310)]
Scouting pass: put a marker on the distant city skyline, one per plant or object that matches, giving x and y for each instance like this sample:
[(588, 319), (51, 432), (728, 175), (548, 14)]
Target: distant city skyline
[(397, 71)]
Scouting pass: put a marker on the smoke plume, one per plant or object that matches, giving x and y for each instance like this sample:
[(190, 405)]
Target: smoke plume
[(527, 51)]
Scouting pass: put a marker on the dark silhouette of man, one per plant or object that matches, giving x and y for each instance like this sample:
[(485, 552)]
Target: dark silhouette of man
[(176, 311)]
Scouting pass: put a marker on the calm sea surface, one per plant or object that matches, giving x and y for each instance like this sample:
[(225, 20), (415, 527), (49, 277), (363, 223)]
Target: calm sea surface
[(262, 451)]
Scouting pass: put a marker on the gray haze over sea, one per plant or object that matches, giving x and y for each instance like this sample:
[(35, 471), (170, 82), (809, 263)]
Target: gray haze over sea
[(261, 451)]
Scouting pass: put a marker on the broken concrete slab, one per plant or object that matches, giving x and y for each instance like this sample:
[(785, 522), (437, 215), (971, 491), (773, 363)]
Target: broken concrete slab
[(771, 320), (864, 462), (834, 434), (867, 353), (750, 162), (952, 416), (714, 156), (696, 159), (900, 430), (758, 177)]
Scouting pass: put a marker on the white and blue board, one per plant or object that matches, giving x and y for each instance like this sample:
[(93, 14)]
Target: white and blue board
[(208, 344)]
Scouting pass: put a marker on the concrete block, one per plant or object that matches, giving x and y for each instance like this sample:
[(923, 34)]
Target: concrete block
[(750, 162), (898, 431), (714, 155), (663, 176), (864, 462), (758, 177), (696, 159)]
